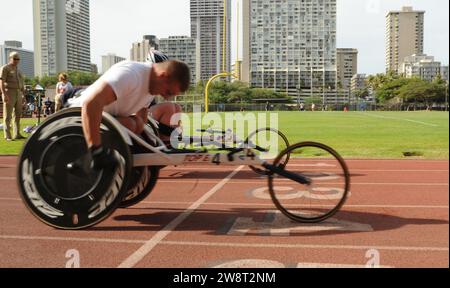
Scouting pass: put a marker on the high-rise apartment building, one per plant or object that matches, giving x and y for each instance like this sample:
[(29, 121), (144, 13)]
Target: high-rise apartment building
[(207, 27), (404, 36), (26, 64), (357, 82), (139, 50), (347, 66), (444, 73), (181, 48), (421, 66), (290, 46), (61, 36), (109, 60)]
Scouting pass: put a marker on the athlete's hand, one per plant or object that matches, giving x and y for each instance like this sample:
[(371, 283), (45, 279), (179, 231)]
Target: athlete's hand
[(103, 158)]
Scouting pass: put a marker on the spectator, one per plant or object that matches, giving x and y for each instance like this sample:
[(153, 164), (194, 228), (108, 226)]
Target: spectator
[(62, 87), (302, 107), (13, 89)]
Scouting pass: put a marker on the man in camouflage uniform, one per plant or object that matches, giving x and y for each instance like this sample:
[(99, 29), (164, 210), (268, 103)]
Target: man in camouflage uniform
[(12, 88)]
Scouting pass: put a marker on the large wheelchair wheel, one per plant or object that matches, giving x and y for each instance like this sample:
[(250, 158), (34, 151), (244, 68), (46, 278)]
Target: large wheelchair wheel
[(329, 183), (267, 143), (143, 181), (71, 196)]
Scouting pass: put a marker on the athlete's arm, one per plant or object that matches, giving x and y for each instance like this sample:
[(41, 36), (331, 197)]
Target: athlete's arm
[(92, 110)]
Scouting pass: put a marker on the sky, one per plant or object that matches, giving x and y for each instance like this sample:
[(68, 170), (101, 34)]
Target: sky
[(116, 24)]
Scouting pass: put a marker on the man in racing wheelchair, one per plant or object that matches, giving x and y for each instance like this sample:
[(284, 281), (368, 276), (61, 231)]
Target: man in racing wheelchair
[(126, 91)]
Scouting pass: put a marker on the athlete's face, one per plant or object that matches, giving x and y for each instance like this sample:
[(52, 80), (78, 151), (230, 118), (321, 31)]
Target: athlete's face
[(168, 89)]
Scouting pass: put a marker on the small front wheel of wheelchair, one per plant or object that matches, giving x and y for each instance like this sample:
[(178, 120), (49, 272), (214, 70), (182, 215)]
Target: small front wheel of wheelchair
[(272, 141), (329, 183)]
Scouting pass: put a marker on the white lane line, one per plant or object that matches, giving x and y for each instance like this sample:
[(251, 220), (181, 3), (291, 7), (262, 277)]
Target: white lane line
[(229, 245), (286, 180), (306, 246), (269, 204), (243, 181), (44, 238), (400, 119), (190, 169), (137, 256)]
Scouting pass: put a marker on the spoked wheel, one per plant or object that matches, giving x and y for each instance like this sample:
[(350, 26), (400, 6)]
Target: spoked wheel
[(56, 181), (272, 142), (143, 181), (330, 183)]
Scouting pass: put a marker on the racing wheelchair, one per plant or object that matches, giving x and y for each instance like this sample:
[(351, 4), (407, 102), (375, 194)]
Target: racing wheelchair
[(58, 186)]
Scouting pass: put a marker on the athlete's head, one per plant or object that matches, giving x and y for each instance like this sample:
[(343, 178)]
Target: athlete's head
[(170, 78)]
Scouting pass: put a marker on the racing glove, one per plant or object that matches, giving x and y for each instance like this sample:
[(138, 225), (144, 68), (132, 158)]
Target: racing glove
[(103, 158)]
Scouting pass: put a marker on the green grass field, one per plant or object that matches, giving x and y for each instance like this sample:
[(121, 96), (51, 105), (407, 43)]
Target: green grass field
[(364, 135)]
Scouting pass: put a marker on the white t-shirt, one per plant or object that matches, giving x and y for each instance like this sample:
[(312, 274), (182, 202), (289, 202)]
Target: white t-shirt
[(130, 82), (61, 87)]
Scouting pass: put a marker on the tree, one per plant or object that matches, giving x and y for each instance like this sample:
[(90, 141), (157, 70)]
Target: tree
[(390, 89), (422, 92), (362, 93), (77, 78)]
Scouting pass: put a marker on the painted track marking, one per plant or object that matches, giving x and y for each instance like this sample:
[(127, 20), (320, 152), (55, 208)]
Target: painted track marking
[(232, 245), (137, 256)]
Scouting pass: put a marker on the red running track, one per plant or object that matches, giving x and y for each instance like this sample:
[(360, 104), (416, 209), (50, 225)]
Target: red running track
[(397, 216)]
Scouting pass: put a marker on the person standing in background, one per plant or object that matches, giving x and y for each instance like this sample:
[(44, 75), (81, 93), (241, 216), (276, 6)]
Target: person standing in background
[(62, 87), (12, 88)]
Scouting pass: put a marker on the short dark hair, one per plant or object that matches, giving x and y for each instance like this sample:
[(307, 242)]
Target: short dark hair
[(179, 71)]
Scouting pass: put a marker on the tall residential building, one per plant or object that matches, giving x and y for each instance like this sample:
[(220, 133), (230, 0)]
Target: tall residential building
[(357, 82), (61, 36), (109, 60), (421, 66), (444, 73), (26, 64), (207, 27), (139, 50), (290, 46), (404, 36), (347, 66), (182, 48)]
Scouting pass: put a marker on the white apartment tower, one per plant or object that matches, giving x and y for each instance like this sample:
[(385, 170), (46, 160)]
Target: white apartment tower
[(61, 36), (404, 36), (422, 66), (290, 46), (207, 27), (109, 60), (181, 48)]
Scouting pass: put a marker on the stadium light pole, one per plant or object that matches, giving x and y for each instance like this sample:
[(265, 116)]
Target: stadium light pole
[(224, 74)]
